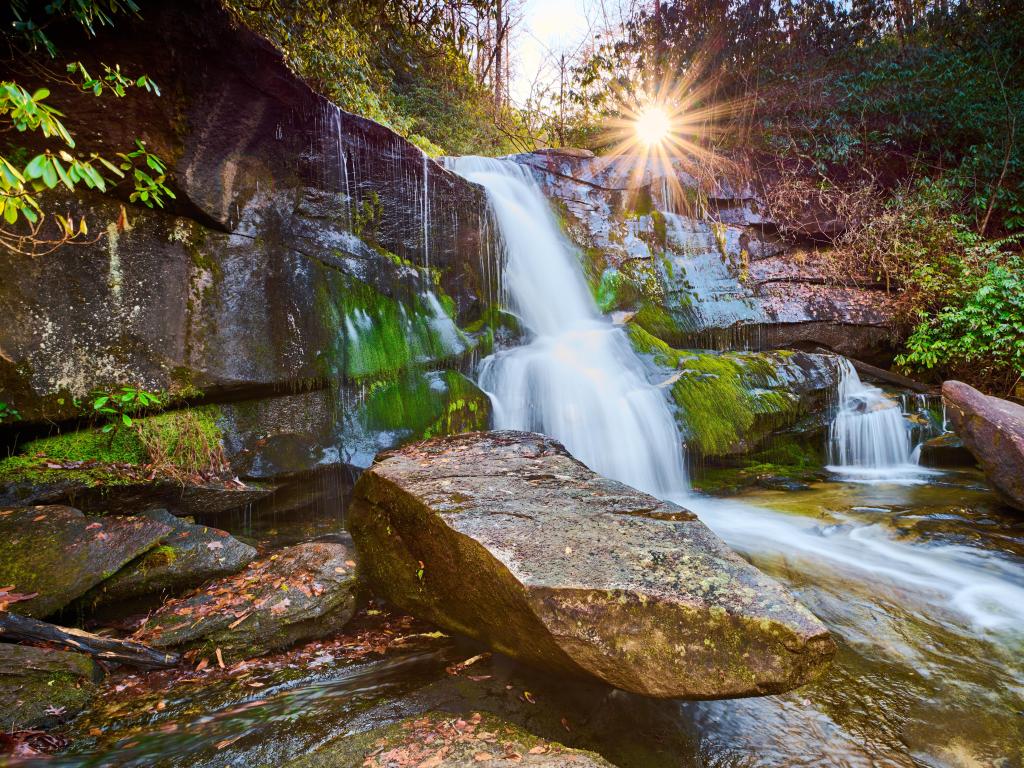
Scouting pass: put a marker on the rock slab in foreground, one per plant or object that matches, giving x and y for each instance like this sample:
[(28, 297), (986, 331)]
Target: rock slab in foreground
[(60, 553), (298, 593), (186, 557), (40, 687), (506, 538), (993, 430), (443, 740)]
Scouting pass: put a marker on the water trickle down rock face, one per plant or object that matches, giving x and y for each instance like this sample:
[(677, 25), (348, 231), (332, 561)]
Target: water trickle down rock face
[(307, 249), (505, 538), (699, 262)]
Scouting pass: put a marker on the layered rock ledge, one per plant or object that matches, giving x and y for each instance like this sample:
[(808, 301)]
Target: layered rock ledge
[(506, 538)]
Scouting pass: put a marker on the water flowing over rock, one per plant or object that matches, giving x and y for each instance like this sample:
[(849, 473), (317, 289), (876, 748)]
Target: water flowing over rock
[(869, 437), (993, 430), (508, 539), (299, 593), (577, 379), (701, 262), (60, 553)]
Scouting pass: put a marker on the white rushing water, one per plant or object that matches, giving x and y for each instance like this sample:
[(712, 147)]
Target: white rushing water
[(869, 438), (578, 379)]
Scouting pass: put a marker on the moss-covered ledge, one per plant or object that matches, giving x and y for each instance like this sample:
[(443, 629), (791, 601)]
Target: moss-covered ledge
[(755, 393)]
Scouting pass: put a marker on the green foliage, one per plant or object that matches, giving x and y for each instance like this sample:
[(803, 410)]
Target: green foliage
[(117, 406), (8, 412), (149, 190), (21, 179), (982, 333), (32, 17), (370, 59)]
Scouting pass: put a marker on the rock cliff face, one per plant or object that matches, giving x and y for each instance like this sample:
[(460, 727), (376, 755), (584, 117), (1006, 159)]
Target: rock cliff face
[(313, 265), (700, 262)]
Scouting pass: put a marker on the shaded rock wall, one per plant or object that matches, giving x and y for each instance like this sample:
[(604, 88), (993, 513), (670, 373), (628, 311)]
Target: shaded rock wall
[(308, 249)]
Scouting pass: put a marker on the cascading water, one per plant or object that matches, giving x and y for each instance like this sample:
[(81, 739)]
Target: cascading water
[(578, 379), (869, 437)]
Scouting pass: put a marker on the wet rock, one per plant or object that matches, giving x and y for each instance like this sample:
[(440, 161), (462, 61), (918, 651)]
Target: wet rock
[(993, 430), (186, 557), (447, 740), (506, 538), (946, 451), (60, 553), (298, 593), (40, 687)]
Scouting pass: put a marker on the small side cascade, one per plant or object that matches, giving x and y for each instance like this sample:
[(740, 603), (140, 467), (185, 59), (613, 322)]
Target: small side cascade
[(870, 436)]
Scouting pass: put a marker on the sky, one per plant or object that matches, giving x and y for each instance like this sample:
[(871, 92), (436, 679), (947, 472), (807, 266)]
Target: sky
[(554, 25)]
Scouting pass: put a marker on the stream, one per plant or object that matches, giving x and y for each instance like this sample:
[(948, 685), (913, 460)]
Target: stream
[(918, 573)]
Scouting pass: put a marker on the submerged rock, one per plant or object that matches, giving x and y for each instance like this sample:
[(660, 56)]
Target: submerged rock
[(993, 430), (506, 538), (185, 557), (444, 740), (299, 593), (40, 687), (60, 553)]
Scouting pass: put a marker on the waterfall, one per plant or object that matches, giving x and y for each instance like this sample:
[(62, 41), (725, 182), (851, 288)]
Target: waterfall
[(869, 437), (578, 379)]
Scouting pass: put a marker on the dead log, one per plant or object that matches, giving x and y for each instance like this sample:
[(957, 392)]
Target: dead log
[(23, 628)]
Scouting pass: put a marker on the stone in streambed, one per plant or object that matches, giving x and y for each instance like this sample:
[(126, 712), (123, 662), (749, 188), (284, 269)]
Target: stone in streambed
[(186, 557), (993, 430), (60, 553), (506, 538), (40, 687), (445, 740), (298, 593), (946, 451)]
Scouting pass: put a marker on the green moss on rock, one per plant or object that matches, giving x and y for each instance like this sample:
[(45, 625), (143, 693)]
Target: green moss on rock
[(750, 397)]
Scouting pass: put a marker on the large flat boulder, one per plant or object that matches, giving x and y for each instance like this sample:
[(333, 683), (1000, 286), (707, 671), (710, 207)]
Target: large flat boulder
[(41, 686), (298, 593), (59, 553), (506, 538), (993, 430)]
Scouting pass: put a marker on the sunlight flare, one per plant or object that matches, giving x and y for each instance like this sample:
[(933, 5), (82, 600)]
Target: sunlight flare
[(652, 125)]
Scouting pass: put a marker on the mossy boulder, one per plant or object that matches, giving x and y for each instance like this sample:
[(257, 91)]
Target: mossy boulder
[(445, 740), (298, 593), (506, 538), (40, 687), (60, 553), (173, 459), (756, 394), (186, 557)]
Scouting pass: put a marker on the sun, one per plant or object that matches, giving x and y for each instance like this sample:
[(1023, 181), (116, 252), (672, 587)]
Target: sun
[(653, 125), (669, 129)]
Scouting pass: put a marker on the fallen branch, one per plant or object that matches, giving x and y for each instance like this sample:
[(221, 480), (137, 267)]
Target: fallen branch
[(14, 627)]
